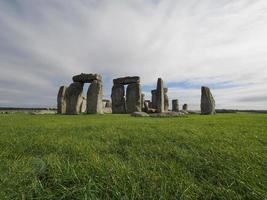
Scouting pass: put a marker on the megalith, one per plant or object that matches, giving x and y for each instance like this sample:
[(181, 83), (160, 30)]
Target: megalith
[(154, 99), (160, 96), (74, 98), (142, 101), (86, 78), (207, 102), (83, 105), (185, 107), (61, 100), (95, 98), (175, 105), (133, 98), (118, 99), (166, 100)]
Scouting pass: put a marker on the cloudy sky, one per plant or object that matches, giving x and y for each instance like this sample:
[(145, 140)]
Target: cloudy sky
[(189, 43)]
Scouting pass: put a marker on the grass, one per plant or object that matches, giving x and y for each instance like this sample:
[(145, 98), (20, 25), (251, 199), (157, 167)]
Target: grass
[(122, 157)]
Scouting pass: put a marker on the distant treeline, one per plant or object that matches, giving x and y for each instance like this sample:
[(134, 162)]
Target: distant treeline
[(235, 111)]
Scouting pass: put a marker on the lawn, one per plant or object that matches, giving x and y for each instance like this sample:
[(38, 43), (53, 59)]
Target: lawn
[(123, 157)]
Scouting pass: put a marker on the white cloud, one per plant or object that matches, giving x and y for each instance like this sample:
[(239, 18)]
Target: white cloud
[(44, 43)]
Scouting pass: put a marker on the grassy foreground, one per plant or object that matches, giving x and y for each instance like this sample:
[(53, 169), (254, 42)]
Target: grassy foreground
[(122, 157)]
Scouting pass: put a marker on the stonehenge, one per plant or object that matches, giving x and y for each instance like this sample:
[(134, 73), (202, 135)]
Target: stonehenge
[(131, 102), (207, 102), (126, 97), (71, 101)]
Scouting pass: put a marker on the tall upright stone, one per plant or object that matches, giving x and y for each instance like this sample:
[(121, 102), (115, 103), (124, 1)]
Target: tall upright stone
[(61, 100), (95, 98), (74, 98), (142, 101), (118, 99), (166, 100), (83, 105), (185, 107), (160, 96), (207, 102), (175, 105), (154, 99), (133, 98)]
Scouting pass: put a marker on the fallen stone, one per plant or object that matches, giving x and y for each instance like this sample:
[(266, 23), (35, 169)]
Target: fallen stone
[(139, 114), (126, 80), (95, 98), (207, 102), (166, 114), (86, 78)]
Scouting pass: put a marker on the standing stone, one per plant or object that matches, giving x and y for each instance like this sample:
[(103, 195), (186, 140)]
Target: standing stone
[(142, 101), (133, 98), (118, 99), (83, 105), (175, 105), (95, 98), (61, 100), (207, 102), (160, 96), (74, 97), (166, 100), (185, 107), (153, 99)]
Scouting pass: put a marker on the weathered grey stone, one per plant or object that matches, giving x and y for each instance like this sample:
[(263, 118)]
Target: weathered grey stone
[(83, 105), (61, 100), (86, 78), (175, 105), (74, 98), (166, 100), (118, 99), (207, 102), (133, 98), (166, 114), (160, 96), (107, 103), (139, 114), (95, 97), (142, 101), (126, 80), (185, 107), (153, 99)]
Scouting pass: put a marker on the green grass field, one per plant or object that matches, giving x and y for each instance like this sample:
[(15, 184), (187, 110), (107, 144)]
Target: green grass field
[(122, 157)]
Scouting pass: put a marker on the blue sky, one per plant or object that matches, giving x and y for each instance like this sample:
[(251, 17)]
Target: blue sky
[(189, 43)]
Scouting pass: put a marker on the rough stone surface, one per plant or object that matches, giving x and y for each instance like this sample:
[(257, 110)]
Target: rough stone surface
[(74, 97), (107, 103), (153, 99), (133, 98), (95, 98), (139, 114), (86, 78), (166, 100), (185, 107), (160, 96), (166, 114), (142, 101), (207, 102), (126, 80), (175, 105), (118, 99), (61, 100), (83, 105)]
